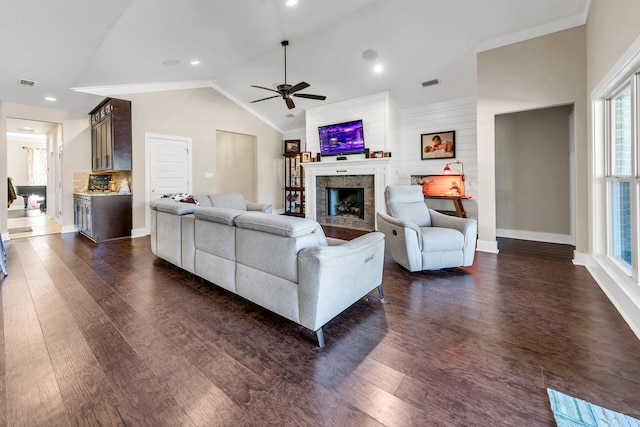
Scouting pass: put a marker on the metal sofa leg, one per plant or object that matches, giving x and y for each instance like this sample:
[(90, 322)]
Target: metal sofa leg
[(320, 336), (383, 300)]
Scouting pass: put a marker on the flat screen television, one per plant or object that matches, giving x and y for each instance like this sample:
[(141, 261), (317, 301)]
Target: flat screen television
[(342, 138)]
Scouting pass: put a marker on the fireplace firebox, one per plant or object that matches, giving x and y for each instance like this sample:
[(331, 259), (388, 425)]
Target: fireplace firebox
[(345, 202)]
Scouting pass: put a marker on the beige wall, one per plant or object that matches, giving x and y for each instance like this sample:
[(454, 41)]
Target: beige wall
[(612, 27), (533, 171), (198, 114), (542, 72), (77, 149)]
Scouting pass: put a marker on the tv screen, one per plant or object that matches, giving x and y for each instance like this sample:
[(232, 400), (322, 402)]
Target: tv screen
[(342, 138)]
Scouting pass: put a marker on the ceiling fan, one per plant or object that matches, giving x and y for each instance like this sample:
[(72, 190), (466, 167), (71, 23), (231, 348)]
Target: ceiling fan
[(286, 91)]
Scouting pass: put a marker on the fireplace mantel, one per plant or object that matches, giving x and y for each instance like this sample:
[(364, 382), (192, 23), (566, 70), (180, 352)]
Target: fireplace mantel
[(379, 168)]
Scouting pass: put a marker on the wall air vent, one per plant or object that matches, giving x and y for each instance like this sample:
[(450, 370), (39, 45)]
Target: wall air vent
[(430, 82), (25, 82)]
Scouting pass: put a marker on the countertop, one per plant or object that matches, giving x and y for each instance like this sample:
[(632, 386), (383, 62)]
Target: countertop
[(100, 193)]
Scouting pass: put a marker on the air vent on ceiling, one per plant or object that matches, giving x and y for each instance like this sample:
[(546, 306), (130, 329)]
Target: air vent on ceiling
[(29, 130), (430, 82), (25, 82), (289, 116)]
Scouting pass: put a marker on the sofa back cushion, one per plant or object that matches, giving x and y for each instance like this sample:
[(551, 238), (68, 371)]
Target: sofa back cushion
[(229, 201), (271, 243), (406, 202)]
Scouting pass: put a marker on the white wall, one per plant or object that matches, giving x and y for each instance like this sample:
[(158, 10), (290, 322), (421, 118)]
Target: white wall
[(458, 115), (372, 109)]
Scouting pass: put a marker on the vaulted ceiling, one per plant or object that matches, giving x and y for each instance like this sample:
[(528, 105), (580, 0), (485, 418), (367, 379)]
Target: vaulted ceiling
[(91, 46)]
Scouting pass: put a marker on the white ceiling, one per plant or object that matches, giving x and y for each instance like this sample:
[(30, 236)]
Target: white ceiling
[(91, 45)]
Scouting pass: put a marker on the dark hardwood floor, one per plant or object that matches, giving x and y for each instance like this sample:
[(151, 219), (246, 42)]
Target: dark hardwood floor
[(108, 334)]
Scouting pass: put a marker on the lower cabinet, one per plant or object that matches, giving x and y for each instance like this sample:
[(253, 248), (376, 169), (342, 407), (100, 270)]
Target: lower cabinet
[(103, 216)]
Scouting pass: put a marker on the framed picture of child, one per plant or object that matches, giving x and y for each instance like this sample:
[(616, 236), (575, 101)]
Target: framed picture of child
[(438, 145)]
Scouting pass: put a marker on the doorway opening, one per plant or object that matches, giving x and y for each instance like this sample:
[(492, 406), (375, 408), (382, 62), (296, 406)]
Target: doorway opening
[(32, 165)]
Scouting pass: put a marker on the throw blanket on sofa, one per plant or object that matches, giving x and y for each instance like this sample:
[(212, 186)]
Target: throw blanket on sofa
[(182, 197)]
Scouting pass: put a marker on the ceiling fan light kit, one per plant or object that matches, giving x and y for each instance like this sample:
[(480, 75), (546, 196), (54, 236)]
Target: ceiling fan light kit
[(286, 91)]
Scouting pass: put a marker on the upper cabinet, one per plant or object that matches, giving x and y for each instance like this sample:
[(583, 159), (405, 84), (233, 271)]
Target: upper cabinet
[(111, 135)]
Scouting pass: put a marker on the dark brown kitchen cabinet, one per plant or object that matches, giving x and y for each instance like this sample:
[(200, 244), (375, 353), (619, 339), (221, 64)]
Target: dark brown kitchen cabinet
[(111, 135)]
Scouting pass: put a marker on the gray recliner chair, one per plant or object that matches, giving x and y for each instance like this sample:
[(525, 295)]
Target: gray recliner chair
[(419, 238)]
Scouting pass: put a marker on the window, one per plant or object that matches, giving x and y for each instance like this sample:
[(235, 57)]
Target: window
[(621, 176)]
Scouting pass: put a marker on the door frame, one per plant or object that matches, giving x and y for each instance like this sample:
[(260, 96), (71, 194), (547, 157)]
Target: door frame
[(147, 167)]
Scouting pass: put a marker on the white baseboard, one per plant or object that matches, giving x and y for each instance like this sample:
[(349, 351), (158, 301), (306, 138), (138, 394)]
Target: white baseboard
[(490, 246), (580, 258), (621, 291), (536, 236), (140, 232), (69, 229)]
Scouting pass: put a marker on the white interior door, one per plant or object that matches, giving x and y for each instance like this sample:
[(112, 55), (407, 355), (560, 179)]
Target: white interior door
[(168, 166), (170, 170)]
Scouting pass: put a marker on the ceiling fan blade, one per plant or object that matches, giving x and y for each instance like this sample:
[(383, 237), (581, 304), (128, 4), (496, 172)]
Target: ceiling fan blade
[(299, 86), (264, 99), (265, 88), (309, 96), (289, 102)]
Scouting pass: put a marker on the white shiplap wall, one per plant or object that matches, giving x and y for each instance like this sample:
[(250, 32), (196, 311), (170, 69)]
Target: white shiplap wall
[(458, 115), (387, 128), (372, 109)]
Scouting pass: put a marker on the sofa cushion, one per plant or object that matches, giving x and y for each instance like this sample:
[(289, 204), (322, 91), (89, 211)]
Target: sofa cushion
[(438, 239), (281, 225), (220, 215), (171, 206), (230, 201)]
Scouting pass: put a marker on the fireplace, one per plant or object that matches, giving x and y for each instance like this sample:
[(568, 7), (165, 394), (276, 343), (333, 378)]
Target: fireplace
[(345, 202), (372, 175)]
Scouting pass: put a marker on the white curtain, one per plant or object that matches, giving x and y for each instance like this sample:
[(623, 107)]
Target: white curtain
[(37, 166)]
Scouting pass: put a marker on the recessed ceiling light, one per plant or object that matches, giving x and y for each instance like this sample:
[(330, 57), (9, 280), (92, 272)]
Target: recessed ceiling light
[(378, 68), (50, 98), (171, 62), (291, 2), (195, 62)]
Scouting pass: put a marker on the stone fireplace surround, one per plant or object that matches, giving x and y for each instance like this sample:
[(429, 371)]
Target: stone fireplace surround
[(346, 171)]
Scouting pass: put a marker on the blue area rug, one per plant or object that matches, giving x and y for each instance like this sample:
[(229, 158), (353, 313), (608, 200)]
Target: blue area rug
[(570, 412)]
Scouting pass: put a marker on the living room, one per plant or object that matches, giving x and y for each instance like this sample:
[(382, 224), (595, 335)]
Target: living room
[(559, 69)]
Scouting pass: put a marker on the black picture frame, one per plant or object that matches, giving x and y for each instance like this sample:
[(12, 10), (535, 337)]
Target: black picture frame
[(292, 146), (438, 145)]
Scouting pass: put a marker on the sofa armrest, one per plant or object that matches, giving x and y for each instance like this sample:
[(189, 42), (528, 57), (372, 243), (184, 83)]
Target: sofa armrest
[(332, 278), (172, 206), (447, 221), (260, 207), (467, 226), (403, 241)]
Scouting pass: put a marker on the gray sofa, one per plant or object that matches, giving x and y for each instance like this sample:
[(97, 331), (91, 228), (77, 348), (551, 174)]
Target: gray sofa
[(282, 263)]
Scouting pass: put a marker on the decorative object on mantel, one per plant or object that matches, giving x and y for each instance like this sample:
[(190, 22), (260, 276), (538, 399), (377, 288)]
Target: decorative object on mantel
[(306, 157), (439, 145)]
